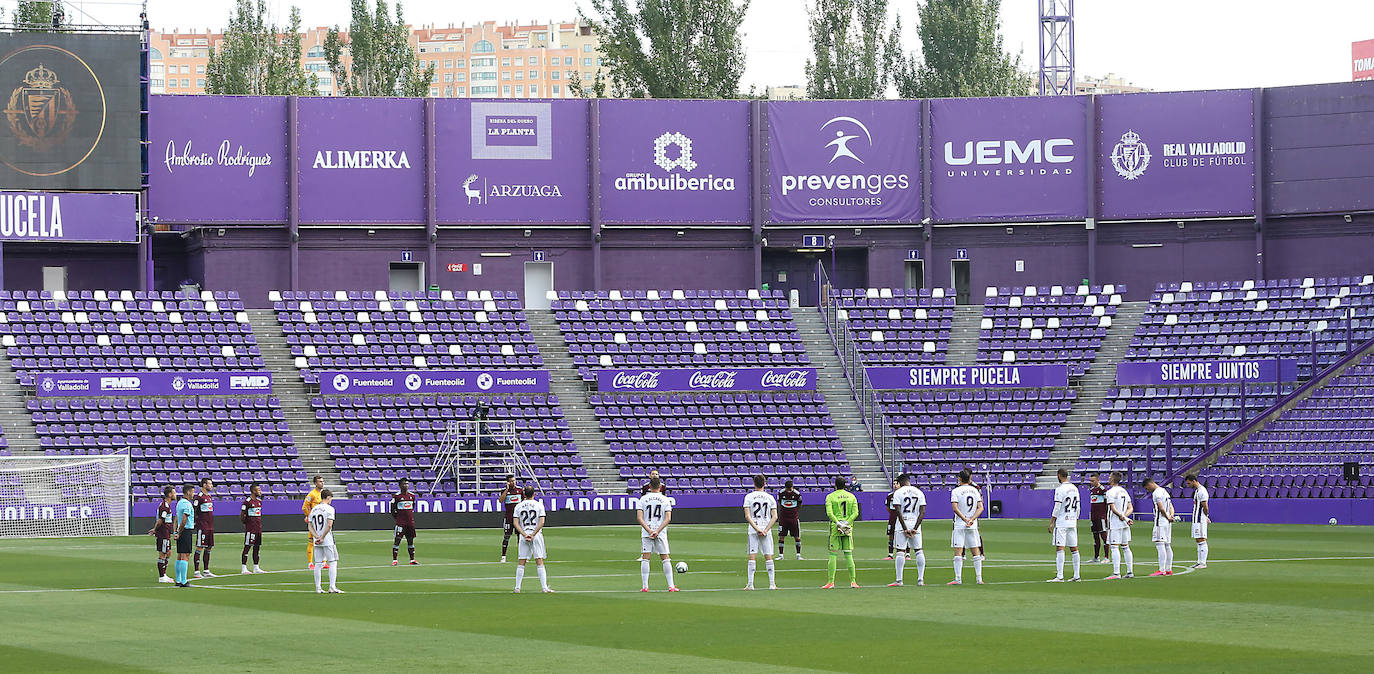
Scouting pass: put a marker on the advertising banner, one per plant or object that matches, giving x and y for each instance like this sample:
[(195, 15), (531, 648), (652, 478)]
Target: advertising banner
[(674, 162), (512, 162), (1175, 373), (217, 159), (717, 379), (967, 376), (848, 161), (434, 381), (361, 160), (150, 383), (68, 217), (1362, 60), (72, 111), (1009, 159), (1171, 155)]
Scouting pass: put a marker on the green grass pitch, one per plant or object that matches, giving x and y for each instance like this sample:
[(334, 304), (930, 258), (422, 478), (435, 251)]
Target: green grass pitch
[(1279, 598)]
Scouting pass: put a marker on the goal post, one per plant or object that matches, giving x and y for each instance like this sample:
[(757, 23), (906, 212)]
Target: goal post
[(64, 496)]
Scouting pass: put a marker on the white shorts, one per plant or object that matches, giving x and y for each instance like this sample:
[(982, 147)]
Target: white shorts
[(531, 549), (903, 542), (1064, 537), (966, 538), (658, 546), (1163, 532), (759, 545), (1120, 536), (326, 553), (1200, 528)]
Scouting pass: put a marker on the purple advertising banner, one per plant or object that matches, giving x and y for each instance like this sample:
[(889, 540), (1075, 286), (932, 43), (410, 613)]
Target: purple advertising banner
[(720, 379), (434, 381), (674, 162), (152, 383), (849, 161), (361, 160), (217, 159), (54, 217), (967, 376), (512, 162), (1009, 159), (1176, 154), (1175, 373)]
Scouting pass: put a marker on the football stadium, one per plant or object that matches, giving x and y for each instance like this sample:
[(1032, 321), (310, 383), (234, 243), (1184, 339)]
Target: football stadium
[(393, 349)]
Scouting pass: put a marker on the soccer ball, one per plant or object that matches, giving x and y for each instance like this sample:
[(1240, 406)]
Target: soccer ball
[(1332, 521), (681, 567)]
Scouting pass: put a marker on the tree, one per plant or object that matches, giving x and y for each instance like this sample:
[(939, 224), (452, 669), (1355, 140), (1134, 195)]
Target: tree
[(381, 60), (671, 48), (962, 54), (855, 52), (258, 59), (33, 14)]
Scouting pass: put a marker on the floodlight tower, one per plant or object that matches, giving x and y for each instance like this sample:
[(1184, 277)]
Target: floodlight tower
[(1056, 47)]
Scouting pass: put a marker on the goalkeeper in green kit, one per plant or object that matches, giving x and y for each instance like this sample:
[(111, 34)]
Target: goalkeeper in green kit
[(843, 510)]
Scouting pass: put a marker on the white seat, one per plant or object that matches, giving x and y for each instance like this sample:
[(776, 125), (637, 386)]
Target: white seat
[(699, 349), (420, 361), (876, 336), (605, 360), (1008, 356), (359, 340), (425, 339)]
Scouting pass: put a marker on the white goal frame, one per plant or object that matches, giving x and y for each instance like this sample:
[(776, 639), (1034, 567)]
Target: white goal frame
[(64, 496)]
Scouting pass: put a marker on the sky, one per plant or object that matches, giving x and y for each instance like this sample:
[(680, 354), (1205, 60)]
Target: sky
[(1158, 44)]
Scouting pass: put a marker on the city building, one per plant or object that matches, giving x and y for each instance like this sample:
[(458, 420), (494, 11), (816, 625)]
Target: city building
[(485, 60), (787, 92), (1111, 84)]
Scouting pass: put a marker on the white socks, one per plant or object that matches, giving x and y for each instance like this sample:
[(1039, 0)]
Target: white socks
[(1116, 560), (519, 575), (768, 564), (543, 576), (318, 571), (752, 566), (1163, 551), (901, 564), (1059, 563), (978, 567), (1202, 552), (958, 569), (1075, 563), (1130, 560), (644, 573), (668, 572), (920, 566), (333, 574)]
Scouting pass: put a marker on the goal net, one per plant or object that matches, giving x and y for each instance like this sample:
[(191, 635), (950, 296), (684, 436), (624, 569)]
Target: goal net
[(62, 496)]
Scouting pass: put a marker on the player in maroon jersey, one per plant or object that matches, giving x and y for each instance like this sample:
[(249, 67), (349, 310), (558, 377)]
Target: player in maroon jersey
[(250, 513), (662, 486), (891, 518), (205, 526), (403, 512), (510, 496), (789, 517), (1097, 514), (162, 531)]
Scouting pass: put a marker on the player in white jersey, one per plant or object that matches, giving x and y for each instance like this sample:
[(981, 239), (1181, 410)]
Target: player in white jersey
[(1202, 515), (761, 513), (1064, 526), (321, 520), (1119, 512), (1163, 534), (968, 507), (529, 523), (655, 510), (909, 503)]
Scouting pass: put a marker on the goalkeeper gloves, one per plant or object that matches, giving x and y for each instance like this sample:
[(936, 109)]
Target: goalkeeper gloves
[(843, 527)]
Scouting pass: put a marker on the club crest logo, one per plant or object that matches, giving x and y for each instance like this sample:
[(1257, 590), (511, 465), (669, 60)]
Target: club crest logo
[(842, 139), (684, 146), (340, 382), (40, 111), (54, 108), (413, 382), (1131, 156)]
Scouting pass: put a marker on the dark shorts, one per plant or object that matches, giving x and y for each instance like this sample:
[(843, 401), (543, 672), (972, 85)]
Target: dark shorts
[(186, 542), (407, 530), (786, 528), (252, 538), (1099, 526), (205, 538), (164, 544), (507, 527)]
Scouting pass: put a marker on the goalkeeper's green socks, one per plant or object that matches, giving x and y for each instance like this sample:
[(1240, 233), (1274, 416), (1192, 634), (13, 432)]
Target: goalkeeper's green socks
[(849, 561), (830, 567)]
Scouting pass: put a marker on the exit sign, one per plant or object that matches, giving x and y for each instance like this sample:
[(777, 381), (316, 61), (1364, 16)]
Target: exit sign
[(458, 267), (961, 253), (913, 254), (813, 241)]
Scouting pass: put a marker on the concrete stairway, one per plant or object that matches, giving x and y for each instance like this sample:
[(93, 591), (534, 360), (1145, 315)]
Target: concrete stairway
[(854, 437), (573, 397), (963, 335), (14, 414), (1092, 391), (295, 399)]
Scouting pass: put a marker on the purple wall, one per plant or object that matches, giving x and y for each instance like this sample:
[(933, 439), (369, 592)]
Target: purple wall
[(706, 259), (89, 266), (1052, 255), (1319, 144)]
